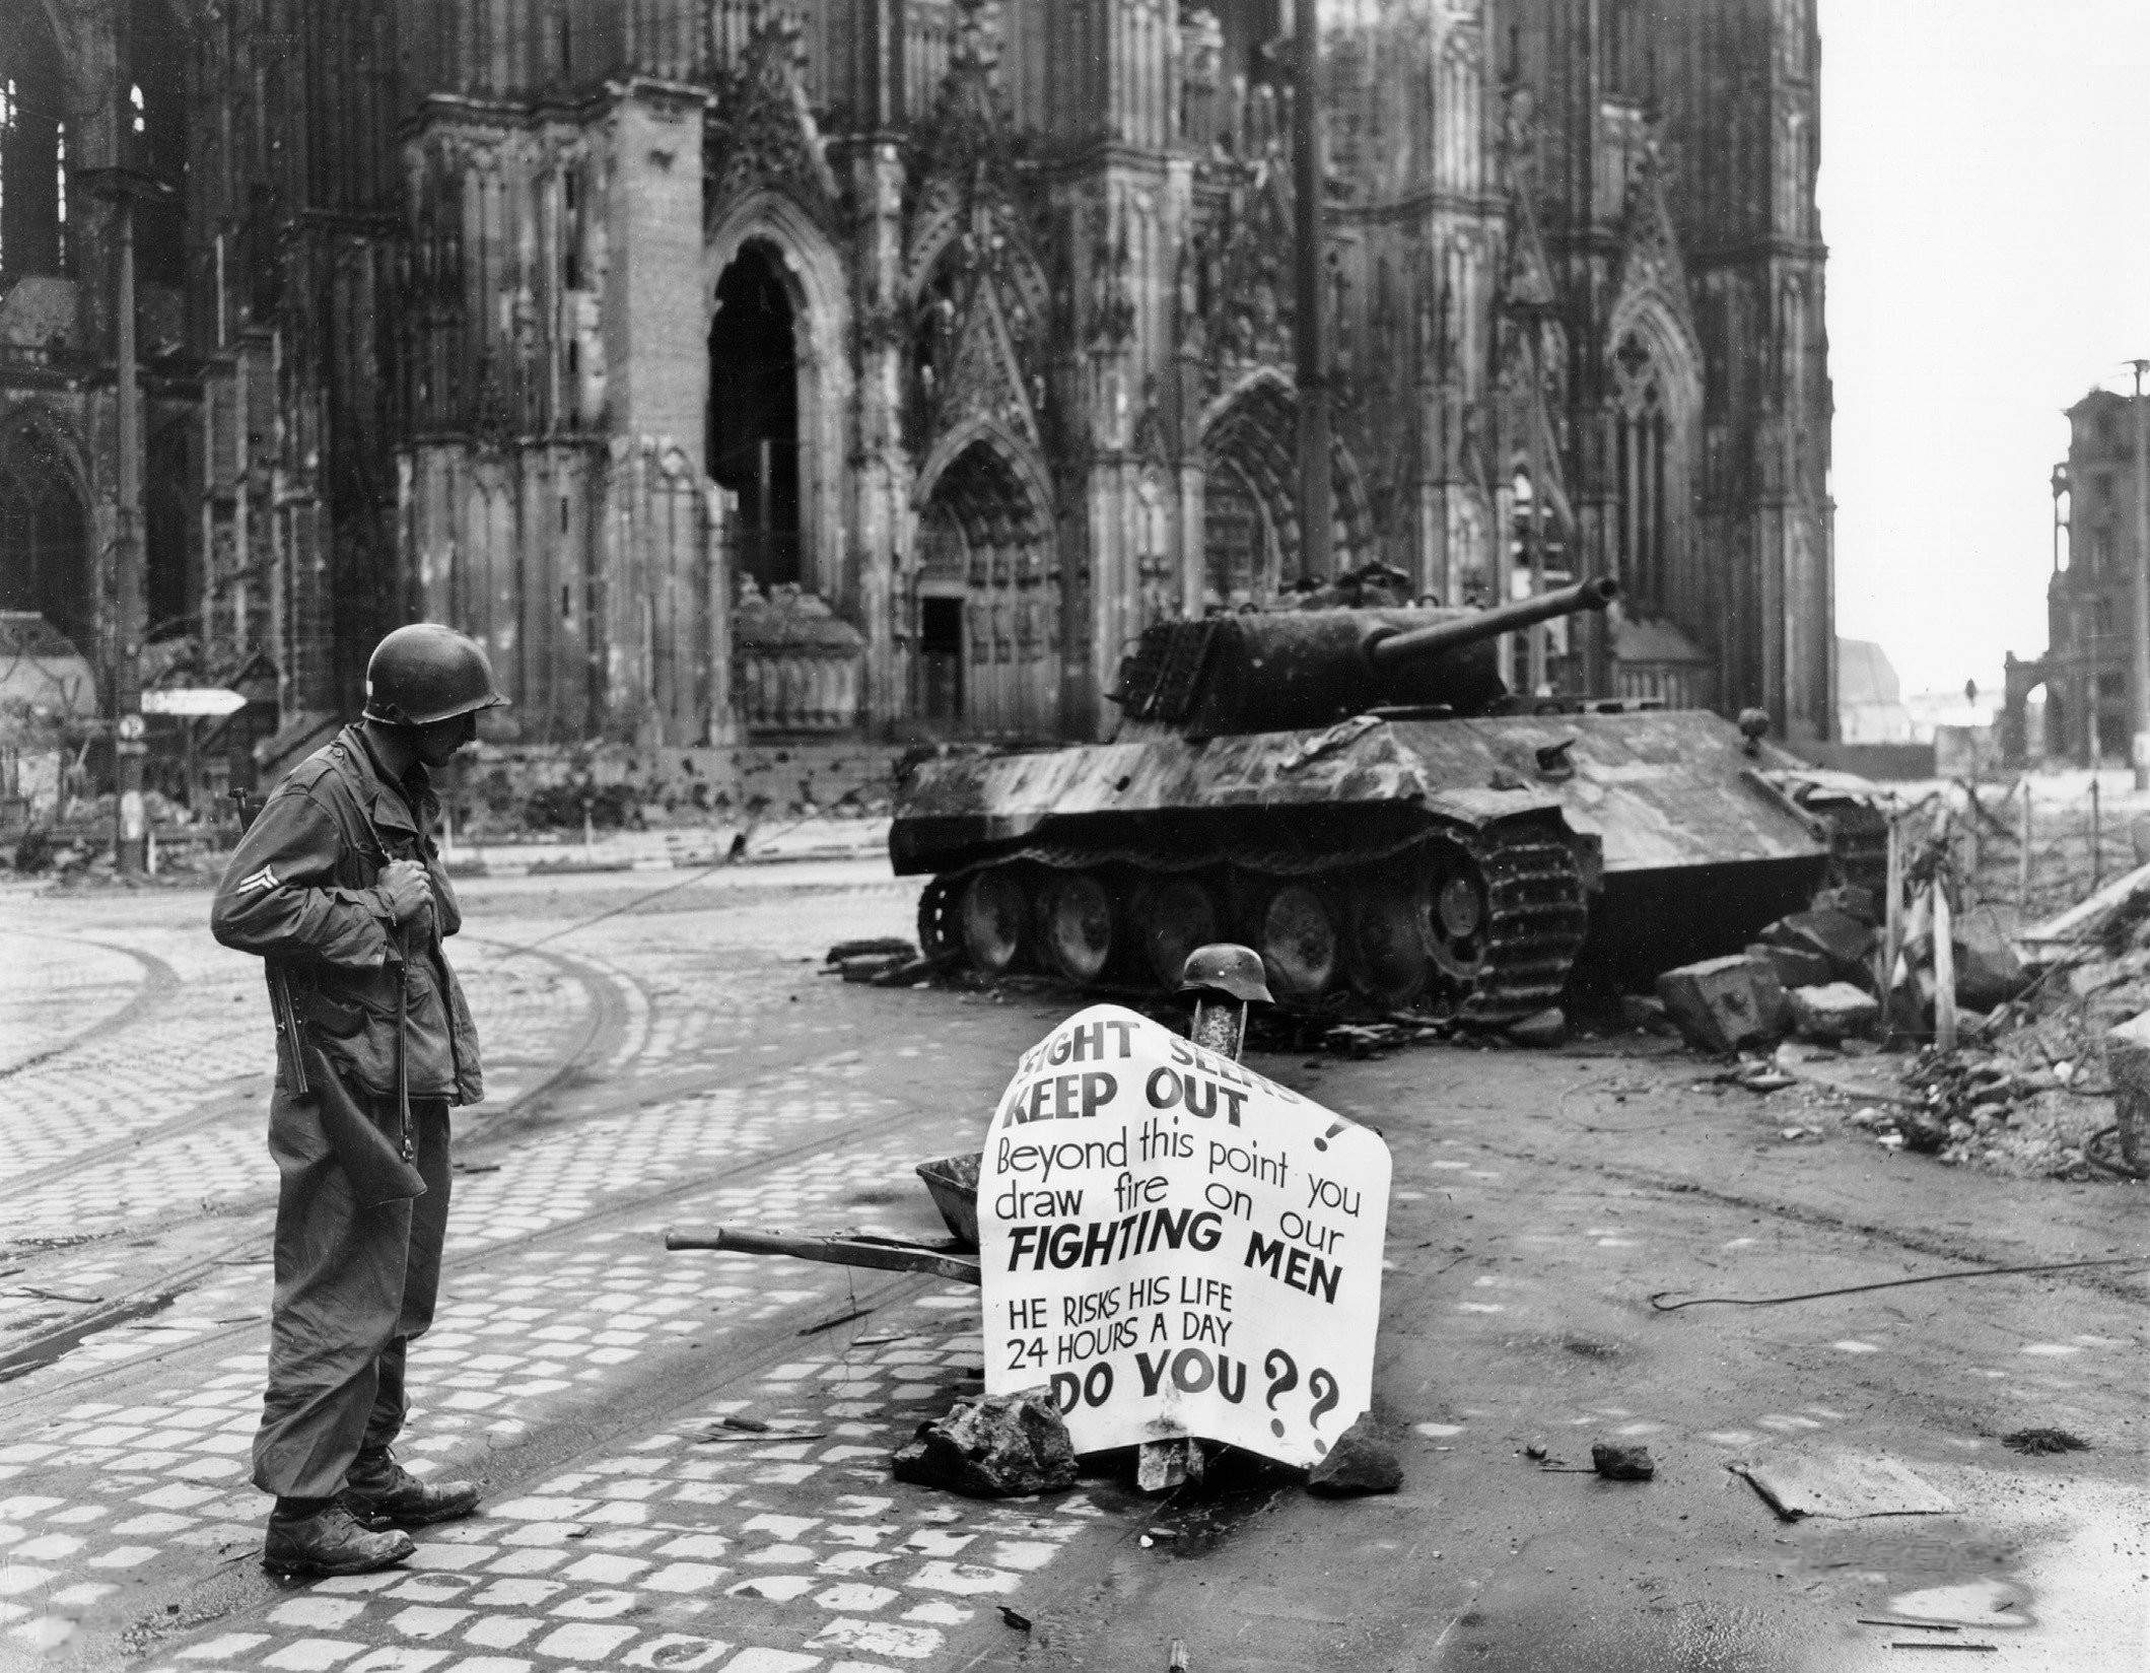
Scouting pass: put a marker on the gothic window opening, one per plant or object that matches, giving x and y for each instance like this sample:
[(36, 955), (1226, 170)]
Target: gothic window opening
[(1239, 543), (33, 146), (1642, 445), (44, 539), (754, 411), (154, 139)]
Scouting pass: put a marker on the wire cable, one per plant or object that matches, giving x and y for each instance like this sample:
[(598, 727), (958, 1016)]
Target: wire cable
[(1663, 1306)]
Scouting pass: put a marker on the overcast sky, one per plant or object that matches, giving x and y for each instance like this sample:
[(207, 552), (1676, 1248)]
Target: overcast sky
[(1985, 192)]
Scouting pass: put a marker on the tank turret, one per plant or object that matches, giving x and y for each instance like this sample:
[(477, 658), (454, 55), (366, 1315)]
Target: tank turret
[(1276, 671)]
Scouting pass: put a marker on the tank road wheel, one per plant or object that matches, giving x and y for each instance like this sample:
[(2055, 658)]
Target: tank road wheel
[(1456, 916), (1173, 916), (1385, 956), (1077, 926), (940, 930), (1296, 932), (994, 917)]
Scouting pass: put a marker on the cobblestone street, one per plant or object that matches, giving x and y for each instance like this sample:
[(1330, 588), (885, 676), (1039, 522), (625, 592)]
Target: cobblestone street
[(683, 1063)]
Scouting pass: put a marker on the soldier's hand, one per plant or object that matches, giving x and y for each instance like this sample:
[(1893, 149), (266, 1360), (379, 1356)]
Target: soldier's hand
[(408, 889)]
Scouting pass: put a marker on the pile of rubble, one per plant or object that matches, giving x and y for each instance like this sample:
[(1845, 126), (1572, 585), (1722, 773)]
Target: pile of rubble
[(2040, 1025)]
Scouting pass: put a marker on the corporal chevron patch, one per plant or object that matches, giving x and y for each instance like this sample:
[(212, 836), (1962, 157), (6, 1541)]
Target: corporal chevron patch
[(264, 879)]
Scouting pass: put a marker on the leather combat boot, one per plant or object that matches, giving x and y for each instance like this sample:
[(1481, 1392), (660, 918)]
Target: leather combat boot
[(330, 1542), (382, 1494)]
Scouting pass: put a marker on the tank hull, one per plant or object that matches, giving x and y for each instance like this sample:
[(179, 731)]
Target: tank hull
[(1676, 840)]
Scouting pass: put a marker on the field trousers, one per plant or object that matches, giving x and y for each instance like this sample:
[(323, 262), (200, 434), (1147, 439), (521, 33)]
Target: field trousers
[(353, 1287)]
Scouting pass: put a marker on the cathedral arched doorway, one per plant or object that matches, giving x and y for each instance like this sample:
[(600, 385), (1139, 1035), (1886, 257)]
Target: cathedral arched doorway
[(988, 661), (1250, 489), (754, 411), (44, 537)]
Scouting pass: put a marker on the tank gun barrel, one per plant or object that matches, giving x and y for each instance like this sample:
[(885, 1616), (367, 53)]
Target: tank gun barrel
[(1402, 645)]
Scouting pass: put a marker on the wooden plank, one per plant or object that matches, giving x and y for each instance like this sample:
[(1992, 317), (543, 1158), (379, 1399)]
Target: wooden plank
[(886, 1254), (1843, 1486)]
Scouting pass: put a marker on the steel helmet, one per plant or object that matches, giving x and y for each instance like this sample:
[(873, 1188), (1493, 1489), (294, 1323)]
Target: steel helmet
[(1224, 967), (426, 672)]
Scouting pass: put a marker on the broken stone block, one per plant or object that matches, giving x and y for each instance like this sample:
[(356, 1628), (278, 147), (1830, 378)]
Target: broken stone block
[(1796, 967), (1835, 1012), (1359, 1462), (2084, 980), (2127, 1061), (1988, 972), (1617, 1462), (992, 1447), (1853, 902), (1541, 1028), (1723, 1004), (1836, 936), (1640, 1010)]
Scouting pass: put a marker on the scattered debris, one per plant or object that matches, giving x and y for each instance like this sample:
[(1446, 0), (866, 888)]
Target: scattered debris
[(1616, 1461), (992, 1447), (1548, 1027), (1837, 938), (1359, 1462), (2038, 1441), (1937, 1644), (879, 946), (1837, 1011), (1796, 967), (1843, 1486), (1021, 1623), (1909, 1626), (1534, 1450), (1645, 1012), (2127, 1065), (752, 1425)]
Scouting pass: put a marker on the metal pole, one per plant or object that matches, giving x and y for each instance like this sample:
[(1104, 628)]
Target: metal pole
[(2139, 628), (1310, 323), (2023, 848), (131, 826), (2097, 845)]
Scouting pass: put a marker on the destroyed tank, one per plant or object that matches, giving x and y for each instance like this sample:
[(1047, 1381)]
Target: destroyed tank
[(1353, 791)]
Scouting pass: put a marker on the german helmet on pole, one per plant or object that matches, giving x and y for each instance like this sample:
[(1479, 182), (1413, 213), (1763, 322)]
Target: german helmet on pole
[(1225, 967), (426, 672)]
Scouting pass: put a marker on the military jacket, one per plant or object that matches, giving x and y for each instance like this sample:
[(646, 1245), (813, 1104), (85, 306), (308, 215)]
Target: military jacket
[(302, 891)]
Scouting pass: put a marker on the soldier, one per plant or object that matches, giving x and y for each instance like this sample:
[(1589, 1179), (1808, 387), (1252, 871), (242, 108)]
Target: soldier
[(338, 886)]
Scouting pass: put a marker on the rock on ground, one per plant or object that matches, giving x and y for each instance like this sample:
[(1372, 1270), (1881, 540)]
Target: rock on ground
[(992, 1447), (1359, 1462)]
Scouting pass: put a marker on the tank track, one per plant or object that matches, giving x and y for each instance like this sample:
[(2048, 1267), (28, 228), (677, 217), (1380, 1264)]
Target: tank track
[(1537, 908)]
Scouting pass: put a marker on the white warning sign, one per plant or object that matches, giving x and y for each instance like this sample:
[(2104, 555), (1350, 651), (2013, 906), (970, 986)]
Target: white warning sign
[(1177, 1245)]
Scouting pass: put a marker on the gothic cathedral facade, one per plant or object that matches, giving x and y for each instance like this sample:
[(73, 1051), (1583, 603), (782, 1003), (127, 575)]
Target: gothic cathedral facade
[(736, 366)]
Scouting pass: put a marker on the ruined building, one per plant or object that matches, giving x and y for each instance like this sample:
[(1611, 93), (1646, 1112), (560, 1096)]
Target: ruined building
[(882, 367), (2088, 713)]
